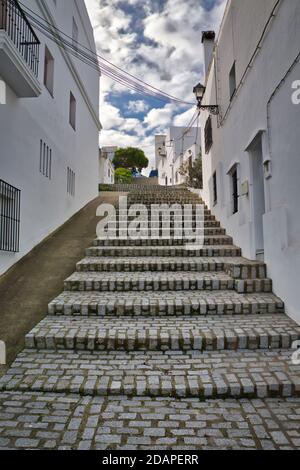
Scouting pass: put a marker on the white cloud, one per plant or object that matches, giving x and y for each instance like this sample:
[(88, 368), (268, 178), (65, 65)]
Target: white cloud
[(159, 118), (138, 106), (169, 57), (181, 120)]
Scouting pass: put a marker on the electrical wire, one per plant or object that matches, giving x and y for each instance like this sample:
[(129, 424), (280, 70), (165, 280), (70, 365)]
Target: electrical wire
[(99, 63), (187, 129), (91, 58)]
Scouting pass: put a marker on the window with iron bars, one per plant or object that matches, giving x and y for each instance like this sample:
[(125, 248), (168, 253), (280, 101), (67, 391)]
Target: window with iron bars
[(10, 198), (215, 189), (208, 135), (70, 182), (45, 160), (235, 194)]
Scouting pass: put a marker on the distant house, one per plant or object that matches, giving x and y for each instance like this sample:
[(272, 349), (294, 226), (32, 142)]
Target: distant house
[(106, 167), (178, 146), (49, 123)]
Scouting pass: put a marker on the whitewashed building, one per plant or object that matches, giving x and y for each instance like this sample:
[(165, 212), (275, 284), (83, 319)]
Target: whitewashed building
[(106, 166), (172, 150), (49, 124), (251, 164)]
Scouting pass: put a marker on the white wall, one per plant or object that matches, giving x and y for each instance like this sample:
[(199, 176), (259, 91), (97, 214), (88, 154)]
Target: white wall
[(45, 204), (277, 125)]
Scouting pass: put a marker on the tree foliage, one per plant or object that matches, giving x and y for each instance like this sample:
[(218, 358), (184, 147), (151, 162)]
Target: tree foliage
[(123, 175), (130, 157), (193, 173)]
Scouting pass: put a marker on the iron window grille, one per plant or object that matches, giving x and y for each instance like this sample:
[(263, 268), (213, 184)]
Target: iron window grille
[(45, 160), (215, 188), (10, 198), (208, 135), (71, 182), (235, 195)]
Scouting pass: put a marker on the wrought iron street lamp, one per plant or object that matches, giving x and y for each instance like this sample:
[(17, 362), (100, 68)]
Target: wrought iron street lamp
[(199, 91)]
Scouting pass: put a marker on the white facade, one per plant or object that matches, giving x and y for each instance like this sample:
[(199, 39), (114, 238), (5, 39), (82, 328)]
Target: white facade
[(49, 143), (172, 150), (106, 167), (255, 140)]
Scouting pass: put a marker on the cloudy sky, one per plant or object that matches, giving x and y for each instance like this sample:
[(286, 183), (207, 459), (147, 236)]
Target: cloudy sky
[(158, 41)]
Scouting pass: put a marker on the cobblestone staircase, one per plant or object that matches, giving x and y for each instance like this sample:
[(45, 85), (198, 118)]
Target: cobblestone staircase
[(150, 320)]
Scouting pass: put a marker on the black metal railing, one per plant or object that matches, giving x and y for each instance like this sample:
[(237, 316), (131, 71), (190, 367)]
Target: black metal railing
[(13, 20), (10, 198)]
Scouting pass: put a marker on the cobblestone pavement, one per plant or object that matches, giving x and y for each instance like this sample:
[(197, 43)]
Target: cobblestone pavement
[(156, 373), (58, 421), (155, 346)]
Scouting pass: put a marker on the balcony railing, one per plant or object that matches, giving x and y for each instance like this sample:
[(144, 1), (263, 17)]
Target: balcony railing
[(13, 20), (9, 217)]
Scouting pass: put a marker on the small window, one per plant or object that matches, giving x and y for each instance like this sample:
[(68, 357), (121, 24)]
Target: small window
[(72, 111), (232, 81), (49, 71), (75, 35), (45, 160), (70, 182), (234, 187), (208, 135), (215, 189)]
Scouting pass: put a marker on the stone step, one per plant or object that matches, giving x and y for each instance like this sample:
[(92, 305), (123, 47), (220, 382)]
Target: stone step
[(238, 268), (145, 232), (188, 223), (167, 303), (137, 251), (169, 201), (151, 334), (205, 215), (167, 281), (154, 373), (146, 241)]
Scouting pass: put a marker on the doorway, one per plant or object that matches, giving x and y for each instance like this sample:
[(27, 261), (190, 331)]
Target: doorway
[(258, 195)]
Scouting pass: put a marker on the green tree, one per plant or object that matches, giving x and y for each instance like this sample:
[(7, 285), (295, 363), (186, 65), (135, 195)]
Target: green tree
[(123, 175), (130, 157)]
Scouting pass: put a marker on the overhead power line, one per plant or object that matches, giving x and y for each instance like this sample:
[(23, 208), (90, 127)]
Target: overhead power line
[(96, 61)]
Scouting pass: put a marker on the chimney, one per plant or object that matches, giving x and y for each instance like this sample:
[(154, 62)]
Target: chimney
[(208, 41)]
